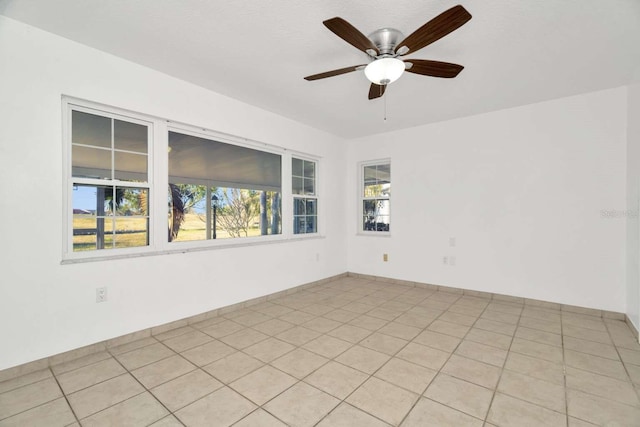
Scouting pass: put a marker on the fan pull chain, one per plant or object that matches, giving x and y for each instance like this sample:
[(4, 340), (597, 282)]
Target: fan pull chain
[(385, 105)]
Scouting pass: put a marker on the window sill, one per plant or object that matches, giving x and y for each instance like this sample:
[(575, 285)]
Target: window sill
[(184, 250), (373, 234)]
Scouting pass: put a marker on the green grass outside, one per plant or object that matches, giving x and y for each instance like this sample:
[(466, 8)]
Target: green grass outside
[(193, 228)]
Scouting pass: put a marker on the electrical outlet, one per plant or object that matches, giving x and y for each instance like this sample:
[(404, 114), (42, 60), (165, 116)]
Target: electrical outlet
[(385, 257), (101, 294), (452, 242), (452, 260), (445, 260)]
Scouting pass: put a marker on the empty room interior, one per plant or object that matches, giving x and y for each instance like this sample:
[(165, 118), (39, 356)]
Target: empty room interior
[(279, 213)]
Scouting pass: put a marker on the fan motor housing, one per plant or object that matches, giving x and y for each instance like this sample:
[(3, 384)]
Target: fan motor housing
[(386, 40)]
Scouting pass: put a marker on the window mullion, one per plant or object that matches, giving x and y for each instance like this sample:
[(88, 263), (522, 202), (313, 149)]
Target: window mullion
[(287, 193), (113, 154), (158, 208)]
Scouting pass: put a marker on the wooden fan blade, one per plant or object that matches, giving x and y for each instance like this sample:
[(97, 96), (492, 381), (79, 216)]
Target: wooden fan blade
[(376, 91), (350, 34), (434, 68), (333, 73), (435, 29)]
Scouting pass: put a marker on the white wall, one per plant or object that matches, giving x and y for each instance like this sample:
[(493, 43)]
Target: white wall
[(522, 192), (47, 308), (633, 197)]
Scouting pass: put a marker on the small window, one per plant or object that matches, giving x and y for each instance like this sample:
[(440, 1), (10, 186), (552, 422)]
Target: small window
[(375, 192), (110, 183), (305, 198)]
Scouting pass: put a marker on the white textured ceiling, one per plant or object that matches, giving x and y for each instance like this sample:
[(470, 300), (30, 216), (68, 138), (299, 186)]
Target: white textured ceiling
[(515, 52)]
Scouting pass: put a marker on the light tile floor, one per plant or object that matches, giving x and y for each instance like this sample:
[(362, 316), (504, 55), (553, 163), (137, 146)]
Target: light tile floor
[(351, 353)]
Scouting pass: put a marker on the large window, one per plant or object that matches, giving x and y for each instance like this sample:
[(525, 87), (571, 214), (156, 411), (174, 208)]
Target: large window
[(305, 199), (110, 182), (137, 184), (375, 191), (221, 191)]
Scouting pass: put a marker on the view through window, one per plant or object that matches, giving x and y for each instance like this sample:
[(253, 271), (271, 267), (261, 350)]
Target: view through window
[(110, 182), (305, 200), (221, 191), (376, 190), (209, 186)]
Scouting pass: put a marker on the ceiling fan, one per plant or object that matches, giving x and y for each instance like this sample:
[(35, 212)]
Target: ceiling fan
[(387, 45)]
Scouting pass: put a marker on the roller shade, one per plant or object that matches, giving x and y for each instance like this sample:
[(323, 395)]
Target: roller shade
[(194, 160)]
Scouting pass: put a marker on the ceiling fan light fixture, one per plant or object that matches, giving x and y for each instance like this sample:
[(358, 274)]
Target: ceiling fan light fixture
[(384, 70), (385, 45)]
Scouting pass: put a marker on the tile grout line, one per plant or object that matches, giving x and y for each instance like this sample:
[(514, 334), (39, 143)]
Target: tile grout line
[(564, 368), (65, 396), (344, 400), (146, 364), (43, 403), (144, 388), (624, 366), (238, 350), (302, 380), (539, 379), (484, 420), (252, 371), (619, 359), (564, 371), (297, 380), (445, 362), (503, 364), (369, 376), (478, 317), (448, 358), (637, 392)]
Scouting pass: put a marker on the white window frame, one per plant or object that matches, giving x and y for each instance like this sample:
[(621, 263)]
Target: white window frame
[(315, 196), (361, 198), (158, 181), (69, 105)]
